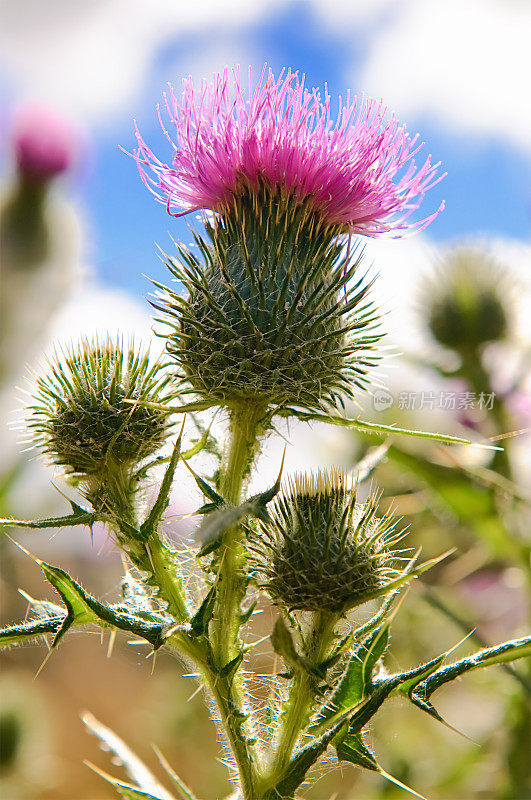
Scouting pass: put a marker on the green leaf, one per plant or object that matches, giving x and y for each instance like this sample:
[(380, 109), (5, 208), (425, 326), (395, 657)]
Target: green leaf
[(374, 427), (356, 681), (351, 748), (147, 784), (81, 517), (151, 522), (82, 608), (283, 644), (201, 619), (300, 764), (227, 516), (499, 654), (27, 631)]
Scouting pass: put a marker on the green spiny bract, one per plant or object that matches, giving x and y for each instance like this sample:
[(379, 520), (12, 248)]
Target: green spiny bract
[(469, 304), (268, 318), (80, 418), (323, 550)]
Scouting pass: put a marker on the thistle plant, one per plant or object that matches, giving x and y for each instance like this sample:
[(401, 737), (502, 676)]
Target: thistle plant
[(273, 319)]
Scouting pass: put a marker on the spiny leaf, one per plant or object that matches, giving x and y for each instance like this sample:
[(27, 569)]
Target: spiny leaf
[(300, 764), (148, 785), (225, 517), (82, 608), (351, 748), (206, 488), (80, 517), (373, 427), (282, 642), (356, 681), (499, 654), (151, 522), (408, 575), (26, 631), (200, 621)]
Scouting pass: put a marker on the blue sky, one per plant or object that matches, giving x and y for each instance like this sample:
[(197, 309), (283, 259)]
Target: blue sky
[(486, 190)]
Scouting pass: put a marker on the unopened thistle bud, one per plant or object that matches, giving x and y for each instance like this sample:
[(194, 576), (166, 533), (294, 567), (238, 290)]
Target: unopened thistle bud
[(81, 420), (266, 318), (469, 303), (322, 549)]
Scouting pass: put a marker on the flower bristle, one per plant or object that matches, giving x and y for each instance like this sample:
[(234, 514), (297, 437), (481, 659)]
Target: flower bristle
[(80, 419), (323, 549), (470, 302), (356, 172), (267, 318)]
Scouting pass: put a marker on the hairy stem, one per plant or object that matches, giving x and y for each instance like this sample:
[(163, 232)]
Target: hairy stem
[(302, 693), (246, 424)]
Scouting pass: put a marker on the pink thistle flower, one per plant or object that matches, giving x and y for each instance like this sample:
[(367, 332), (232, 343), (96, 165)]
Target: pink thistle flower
[(44, 144), (357, 172)]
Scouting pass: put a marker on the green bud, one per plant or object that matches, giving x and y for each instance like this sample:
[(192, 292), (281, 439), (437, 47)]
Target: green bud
[(322, 550), (267, 318), (468, 303), (81, 420)]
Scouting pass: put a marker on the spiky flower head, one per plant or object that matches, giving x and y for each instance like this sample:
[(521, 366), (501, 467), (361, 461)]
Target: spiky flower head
[(322, 549), (468, 302), (80, 419), (356, 172), (268, 319)]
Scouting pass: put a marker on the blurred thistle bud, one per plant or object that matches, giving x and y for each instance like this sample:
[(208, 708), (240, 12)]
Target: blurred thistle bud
[(468, 302), (322, 549), (81, 420), (44, 143), (267, 319)]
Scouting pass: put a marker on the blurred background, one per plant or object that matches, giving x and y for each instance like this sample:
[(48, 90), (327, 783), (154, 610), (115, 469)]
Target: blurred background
[(79, 234)]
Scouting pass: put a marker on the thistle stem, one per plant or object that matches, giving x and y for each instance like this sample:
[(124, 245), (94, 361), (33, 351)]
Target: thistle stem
[(302, 693), (246, 424)]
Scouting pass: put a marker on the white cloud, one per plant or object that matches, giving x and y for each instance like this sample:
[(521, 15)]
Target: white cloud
[(91, 59), (464, 64)]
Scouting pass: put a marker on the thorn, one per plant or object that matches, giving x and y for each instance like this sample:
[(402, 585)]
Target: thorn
[(451, 650), (508, 435), (390, 778), (46, 658), (110, 646), (27, 552), (148, 551), (194, 693)]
